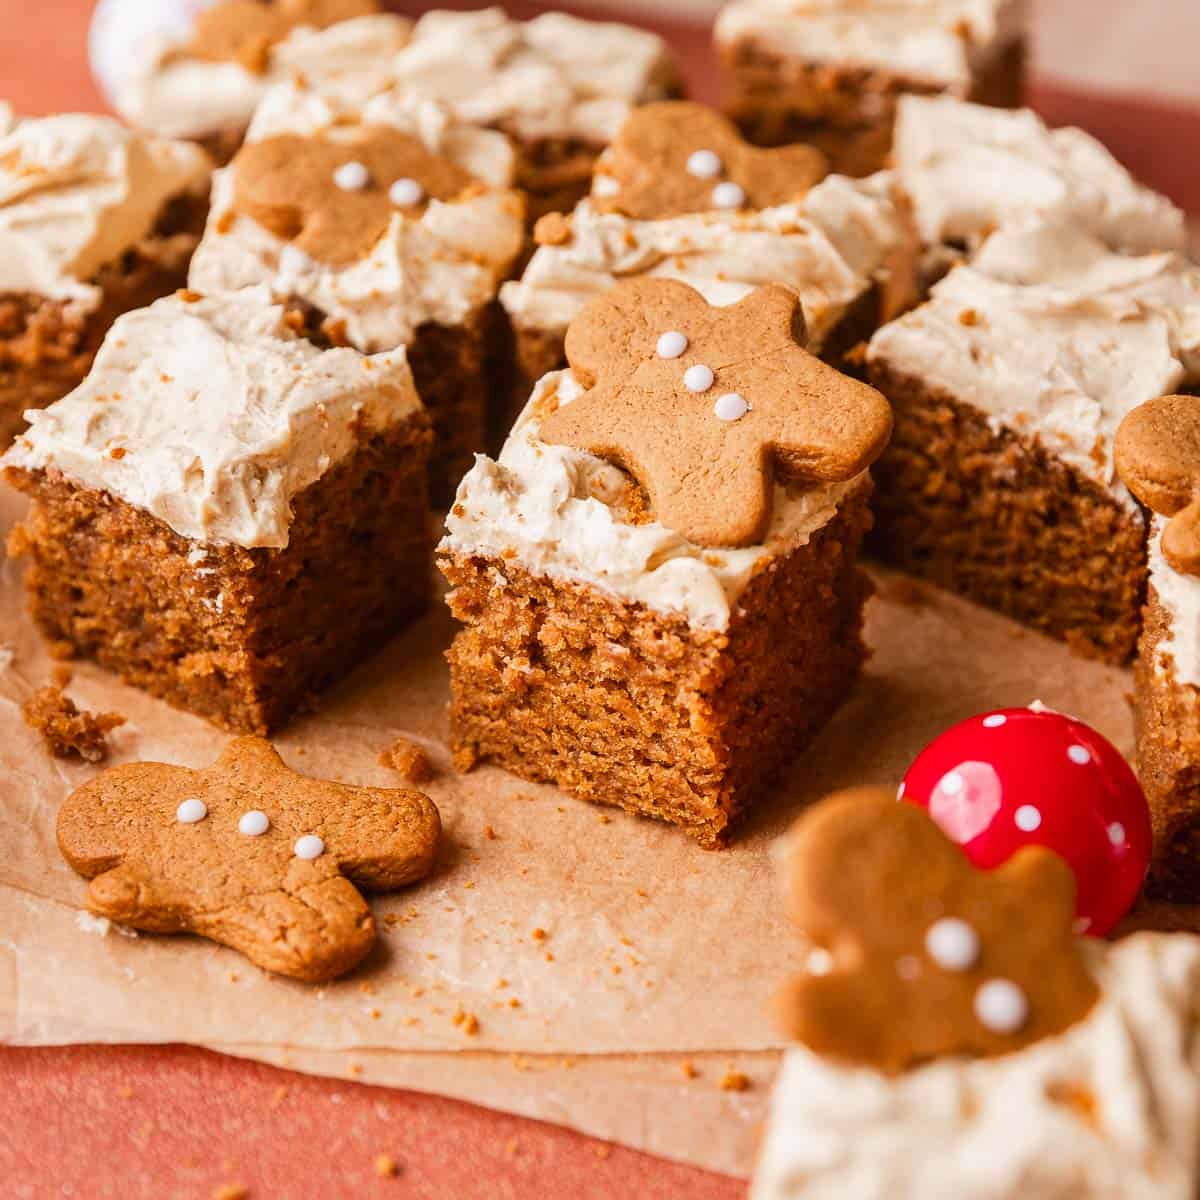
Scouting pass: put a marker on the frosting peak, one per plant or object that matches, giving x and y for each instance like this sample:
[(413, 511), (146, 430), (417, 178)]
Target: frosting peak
[(213, 414), (76, 192)]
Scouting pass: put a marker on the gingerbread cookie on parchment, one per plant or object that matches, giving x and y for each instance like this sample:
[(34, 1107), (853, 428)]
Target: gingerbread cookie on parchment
[(247, 853)]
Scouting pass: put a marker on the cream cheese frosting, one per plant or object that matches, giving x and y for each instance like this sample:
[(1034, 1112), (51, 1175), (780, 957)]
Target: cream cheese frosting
[(438, 264), (1055, 337), (554, 76), (212, 414), (558, 512), (76, 192), (830, 247), (1179, 595), (935, 41), (154, 87), (1108, 1110), (969, 170)]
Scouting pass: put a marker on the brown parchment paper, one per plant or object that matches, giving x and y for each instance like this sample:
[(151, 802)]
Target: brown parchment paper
[(654, 951)]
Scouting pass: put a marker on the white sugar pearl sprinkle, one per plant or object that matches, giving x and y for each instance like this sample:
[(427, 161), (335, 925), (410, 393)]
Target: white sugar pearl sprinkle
[(672, 344), (254, 823), (698, 378), (704, 164), (191, 811), (728, 195), (731, 407), (309, 846), (1027, 818), (404, 193), (819, 961), (995, 721), (1079, 755), (352, 176), (1001, 1006), (605, 185), (952, 944)]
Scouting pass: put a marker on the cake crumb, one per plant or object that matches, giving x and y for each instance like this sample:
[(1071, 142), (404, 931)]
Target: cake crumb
[(689, 1070), (231, 1191), (467, 1022), (552, 230), (489, 833), (539, 934), (386, 1166), (735, 1081), (66, 730)]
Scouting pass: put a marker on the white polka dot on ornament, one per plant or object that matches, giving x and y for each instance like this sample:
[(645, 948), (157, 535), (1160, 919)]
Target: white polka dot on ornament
[(671, 344), (1116, 833), (191, 811), (731, 407), (1001, 1006), (728, 195), (952, 944), (698, 378), (704, 164), (352, 177), (404, 193), (994, 721), (952, 783), (254, 823), (1079, 755), (309, 846), (1027, 818)]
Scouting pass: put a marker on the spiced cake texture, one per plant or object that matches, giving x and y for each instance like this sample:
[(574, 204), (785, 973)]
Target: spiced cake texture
[(814, 75), (412, 255), (261, 542), (67, 730), (622, 705), (1008, 387), (96, 221)]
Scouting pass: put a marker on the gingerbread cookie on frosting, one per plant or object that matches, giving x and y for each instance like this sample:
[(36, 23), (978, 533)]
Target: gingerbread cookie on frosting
[(334, 200), (708, 406), (248, 853), (676, 157), (1157, 454), (915, 954)]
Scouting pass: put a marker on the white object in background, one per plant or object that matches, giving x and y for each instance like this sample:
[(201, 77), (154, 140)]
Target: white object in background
[(118, 25)]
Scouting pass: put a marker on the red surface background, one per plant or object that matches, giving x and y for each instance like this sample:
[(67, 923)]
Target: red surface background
[(159, 1122)]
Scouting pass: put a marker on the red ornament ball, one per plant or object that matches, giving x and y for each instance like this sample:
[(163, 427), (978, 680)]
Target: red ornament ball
[(1032, 777)]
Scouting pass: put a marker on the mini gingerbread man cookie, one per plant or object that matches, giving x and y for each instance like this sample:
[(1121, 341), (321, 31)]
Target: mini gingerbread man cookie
[(706, 406), (244, 31), (334, 200), (1157, 453), (914, 953), (248, 853), (676, 157)]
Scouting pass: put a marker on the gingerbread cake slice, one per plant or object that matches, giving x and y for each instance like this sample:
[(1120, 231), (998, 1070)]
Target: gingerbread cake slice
[(1158, 457), (396, 223), (223, 512), (950, 1036), (559, 86), (1008, 386), (94, 220), (966, 170), (202, 79), (656, 579), (832, 72), (679, 195)]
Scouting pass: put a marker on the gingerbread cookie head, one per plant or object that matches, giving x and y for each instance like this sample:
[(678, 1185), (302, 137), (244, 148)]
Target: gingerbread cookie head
[(244, 31), (334, 199), (708, 406), (1157, 452), (248, 853), (675, 157), (914, 954)]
